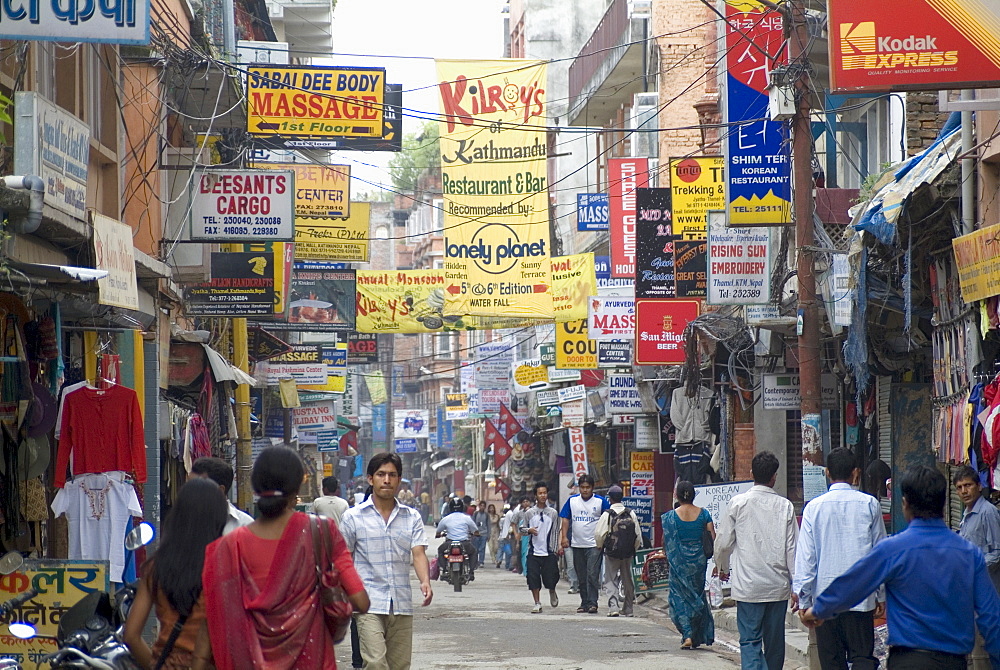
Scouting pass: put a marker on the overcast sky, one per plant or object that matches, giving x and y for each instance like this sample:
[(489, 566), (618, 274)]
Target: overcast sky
[(431, 28)]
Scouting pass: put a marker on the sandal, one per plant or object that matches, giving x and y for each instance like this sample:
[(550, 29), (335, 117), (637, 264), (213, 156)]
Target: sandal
[(592, 610), (581, 610), (686, 644)]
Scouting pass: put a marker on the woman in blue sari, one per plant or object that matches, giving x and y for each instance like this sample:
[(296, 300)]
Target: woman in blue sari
[(682, 542)]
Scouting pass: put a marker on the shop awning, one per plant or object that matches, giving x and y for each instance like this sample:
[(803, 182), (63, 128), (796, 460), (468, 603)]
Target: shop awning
[(58, 274), (437, 465), (224, 371)]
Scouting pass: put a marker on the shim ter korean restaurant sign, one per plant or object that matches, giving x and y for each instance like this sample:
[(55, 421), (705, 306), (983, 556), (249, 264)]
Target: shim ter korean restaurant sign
[(977, 256)]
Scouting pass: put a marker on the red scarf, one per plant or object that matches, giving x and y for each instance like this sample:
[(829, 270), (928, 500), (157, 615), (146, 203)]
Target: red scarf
[(279, 628)]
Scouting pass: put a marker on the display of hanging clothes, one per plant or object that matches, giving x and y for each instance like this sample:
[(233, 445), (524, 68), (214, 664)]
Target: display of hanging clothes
[(691, 415), (103, 431), (196, 441), (98, 508)]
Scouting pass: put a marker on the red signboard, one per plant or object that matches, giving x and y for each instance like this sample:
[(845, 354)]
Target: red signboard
[(659, 330), (933, 44), (625, 175)]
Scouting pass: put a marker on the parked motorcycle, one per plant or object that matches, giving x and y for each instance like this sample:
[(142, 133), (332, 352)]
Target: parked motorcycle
[(457, 570)]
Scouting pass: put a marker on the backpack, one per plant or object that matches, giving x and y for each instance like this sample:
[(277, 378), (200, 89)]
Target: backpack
[(620, 542)]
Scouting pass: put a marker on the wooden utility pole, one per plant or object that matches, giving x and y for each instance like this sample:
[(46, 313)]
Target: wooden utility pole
[(244, 442)]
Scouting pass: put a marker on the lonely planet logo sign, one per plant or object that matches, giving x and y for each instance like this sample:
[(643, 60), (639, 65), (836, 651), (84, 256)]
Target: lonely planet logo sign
[(495, 249)]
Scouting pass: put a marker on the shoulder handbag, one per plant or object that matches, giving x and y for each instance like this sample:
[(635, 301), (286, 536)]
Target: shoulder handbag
[(169, 644), (707, 543), (337, 609)]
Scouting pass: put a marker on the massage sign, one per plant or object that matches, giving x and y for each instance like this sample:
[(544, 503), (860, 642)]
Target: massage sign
[(243, 206)]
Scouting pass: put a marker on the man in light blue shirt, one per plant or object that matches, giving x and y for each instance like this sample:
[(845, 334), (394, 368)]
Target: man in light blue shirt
[(838, 528), (459, 527)]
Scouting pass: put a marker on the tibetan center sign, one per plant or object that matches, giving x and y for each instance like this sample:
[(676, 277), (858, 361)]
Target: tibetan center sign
[(493, 157)]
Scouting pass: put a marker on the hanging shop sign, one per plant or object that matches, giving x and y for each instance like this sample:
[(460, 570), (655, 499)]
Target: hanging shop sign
[(978, 264), (643, 508), (934, 44), (625, 175), (490, 400), (758, 170), (659, 331), (614, 354), (362, 348), (574, 349), (697, 185), (547, 353), (379, 423), (573, 281), (55, 145), (407, 445), (654, 255), (315, 102), (623, 394), (315, 416), (577, 452), (322, 298), (592, 211), (330, 239), (242, 284), (574, 412), (782, 391), (124, 22), (263, 345), (304, 363), (558, 376), (411, 423), (335, 359), (496, 197), (642, 473), (611, 319), (547, 398), (571, 393), (320, 190), (456, 406), (398, 376), (242, 206), (690, 268), (392, 129), (739, 263), (115, 254), (492, 365), (528, 375), (280, 254), (647, 433)]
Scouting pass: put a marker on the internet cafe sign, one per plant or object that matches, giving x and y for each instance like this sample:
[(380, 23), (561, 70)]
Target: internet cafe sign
[(110, 21)]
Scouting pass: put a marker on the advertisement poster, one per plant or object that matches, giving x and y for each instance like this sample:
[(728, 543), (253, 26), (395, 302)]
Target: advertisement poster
[(978, 264), (783, 391), (242, 206), (492, 365), (529, 375), (315, 101), (573, 281), (327, 239), (611, 318), (496, 196), (456, 406), (697, 185), (315, 416), (392, 128), (739, 263), (411, 423), (659, 330), (758, 171), (322, 299), (690, 268), (625, 175), (115, 254), (362, 348), (592, 211), (242, 284), (623, 394), (654, 256), (642, 473), (574, 349), (335, 359), (304, 364), (320, 190), (934, 44), (491, 399)]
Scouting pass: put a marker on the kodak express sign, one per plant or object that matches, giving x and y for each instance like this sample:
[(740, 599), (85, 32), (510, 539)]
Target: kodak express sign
[(316, 102)]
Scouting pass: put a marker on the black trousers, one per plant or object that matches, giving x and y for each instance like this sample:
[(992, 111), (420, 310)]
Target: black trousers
[(543, 570), (901, 658), (847, 638)]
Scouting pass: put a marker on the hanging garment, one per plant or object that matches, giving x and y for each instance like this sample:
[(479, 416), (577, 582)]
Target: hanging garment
[(103, 431), (691, 415), (196, 442), (62, 401), (98, 508)]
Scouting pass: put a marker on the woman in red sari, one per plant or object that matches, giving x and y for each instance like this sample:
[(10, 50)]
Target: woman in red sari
[(265, 613)]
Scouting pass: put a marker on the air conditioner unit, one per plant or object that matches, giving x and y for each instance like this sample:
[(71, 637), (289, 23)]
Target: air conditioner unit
[(645, 121)]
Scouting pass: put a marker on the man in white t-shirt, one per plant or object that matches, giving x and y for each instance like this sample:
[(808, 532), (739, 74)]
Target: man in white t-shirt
[(330, 504), (543, 564), (583, 512), (222, 474)]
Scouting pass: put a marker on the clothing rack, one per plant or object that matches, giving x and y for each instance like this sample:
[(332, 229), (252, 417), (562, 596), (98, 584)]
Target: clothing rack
[(96, 329)]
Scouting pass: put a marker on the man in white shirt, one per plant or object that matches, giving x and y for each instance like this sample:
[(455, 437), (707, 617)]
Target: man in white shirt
[(583, 512), (542, 524), (760, 531), (838, 528), (618, 559), (330, 504), (221, 473), (505, 539)]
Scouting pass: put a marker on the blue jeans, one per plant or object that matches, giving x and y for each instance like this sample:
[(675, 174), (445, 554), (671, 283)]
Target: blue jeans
[(762, 634), (480, 544), (505, 553), (587, 562)]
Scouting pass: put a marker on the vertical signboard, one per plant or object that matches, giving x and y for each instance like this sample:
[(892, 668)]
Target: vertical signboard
[(642, 473), (654, 236), (739, 263), (697, 185), (625, 175), (758, 174), (578, 452), (494, 183)]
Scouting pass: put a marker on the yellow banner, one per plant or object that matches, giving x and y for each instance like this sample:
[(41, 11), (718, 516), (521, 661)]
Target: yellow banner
[(574, 280), (697, 185), (493, 158), (315, 101), (336, 376), (343, 240), (320, 190), (376, 387), (978, 264), (574, 350)]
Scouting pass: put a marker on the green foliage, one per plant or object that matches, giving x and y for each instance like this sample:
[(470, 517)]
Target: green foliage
[(5, 106), (421, 151)]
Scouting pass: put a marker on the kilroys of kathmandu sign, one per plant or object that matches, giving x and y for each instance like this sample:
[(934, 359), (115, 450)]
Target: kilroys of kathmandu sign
[(493, 158)]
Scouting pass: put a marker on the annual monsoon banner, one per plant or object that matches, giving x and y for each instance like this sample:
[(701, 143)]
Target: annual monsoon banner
[(493, 162)]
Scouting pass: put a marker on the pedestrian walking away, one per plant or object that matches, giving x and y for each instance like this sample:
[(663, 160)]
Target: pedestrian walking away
[(330, 504), (542, 524), (619, 537), (494, 533), (759, 532), (520, 540), (482, 521), (839, 528), (505, 539), (261, 579), (385, 537), (937, 588), (684, 530), (582, 512), (222, 474)]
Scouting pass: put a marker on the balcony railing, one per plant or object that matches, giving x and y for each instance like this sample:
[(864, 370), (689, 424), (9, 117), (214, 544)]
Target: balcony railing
[(606, 37)]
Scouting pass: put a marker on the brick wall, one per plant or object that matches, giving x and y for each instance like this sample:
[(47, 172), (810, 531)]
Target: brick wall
[(923, 121)]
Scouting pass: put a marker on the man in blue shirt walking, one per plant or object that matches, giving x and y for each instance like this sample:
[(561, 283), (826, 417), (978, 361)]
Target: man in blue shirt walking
[(937, 588)]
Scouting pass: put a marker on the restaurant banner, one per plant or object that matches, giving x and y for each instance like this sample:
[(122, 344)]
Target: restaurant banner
[(328, 239), (697, 185), (320, 190), (654, 255), (758, 171), (739, 263), (659, 330), (573, 281), (625, 175), (494, 183), (322, 298)]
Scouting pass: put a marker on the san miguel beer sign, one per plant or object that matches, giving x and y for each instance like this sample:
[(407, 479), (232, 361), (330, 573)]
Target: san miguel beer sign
[(933, 44)]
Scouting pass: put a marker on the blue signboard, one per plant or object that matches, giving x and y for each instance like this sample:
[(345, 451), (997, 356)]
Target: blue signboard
[(592, 211), (378, 423), (328, 440), (643, 508), (444, 431), (274, 425), (406, 445), (602, 267)]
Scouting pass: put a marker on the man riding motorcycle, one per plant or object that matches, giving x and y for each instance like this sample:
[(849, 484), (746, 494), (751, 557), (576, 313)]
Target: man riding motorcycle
[(458, 526)]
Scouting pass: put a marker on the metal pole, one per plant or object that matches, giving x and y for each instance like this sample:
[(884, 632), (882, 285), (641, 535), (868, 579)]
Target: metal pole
[(802, 197), (968, 169), (244, 453)]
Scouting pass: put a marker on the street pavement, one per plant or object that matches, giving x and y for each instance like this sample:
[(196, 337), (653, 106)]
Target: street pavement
[(489, 625)]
